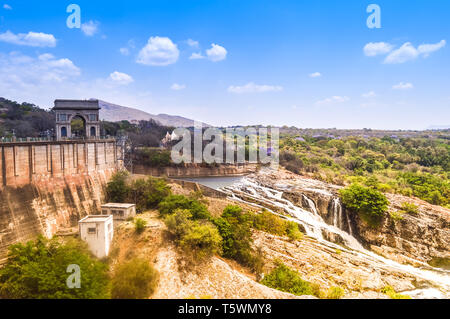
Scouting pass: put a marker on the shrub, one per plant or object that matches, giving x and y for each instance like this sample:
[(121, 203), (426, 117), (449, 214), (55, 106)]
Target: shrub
[(235, 229), (388, 290), (38, 270), (139, 225), (145, 193), (335, 293), (200, 239), (174, 202), (293, 231), (270, 223), (148, 193), (396, 215), (273, 224), (369, 203), (285, 279), (117, 189), (135, 279)]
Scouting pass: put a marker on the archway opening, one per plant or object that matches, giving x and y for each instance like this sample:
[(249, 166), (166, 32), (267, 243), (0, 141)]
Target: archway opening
[(93, 131), (63, 131), (78, 126)]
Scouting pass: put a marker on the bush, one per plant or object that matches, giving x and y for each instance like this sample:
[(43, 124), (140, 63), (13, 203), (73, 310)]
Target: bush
[(145, 193), (117, 190), (175, 202), (235, 228), (335, 293), (139, 225), (285, 279), (270, 223), (200, 239), (148, 193), (273, 224), (369, 203), (135, 279), (38, 270), (293, 231), (388, 290)]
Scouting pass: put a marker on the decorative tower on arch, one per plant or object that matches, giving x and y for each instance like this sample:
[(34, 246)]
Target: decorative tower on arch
[(86, 112)]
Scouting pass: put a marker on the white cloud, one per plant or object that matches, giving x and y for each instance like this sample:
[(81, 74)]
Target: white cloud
[(192, 43), (376, 48), (407, 52), (90, 28), (315, 75), (32, 39), (196, 56), (121, 78), (254, 88), (22, 73), (426, 49), (124, 51), (7, 7), (216, 53), (178, 87), (369, 94), (403, 86), (333, 100), (159, 51)]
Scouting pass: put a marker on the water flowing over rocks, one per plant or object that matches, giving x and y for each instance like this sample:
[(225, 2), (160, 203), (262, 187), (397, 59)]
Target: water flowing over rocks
[(342, 245)]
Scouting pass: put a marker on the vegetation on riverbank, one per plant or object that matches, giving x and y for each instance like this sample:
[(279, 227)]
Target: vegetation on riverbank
[(412, 166)]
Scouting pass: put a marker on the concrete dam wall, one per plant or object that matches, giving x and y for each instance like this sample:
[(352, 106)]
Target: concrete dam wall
[(47, 187)]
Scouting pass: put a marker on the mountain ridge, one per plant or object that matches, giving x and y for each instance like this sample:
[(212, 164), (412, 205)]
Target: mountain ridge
[(113, 113)]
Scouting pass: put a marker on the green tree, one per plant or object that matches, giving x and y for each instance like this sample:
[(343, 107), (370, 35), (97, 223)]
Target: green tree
[(38, 270), (148, 193), (235, 228), (175, 202), (369, 203), (117, 190)]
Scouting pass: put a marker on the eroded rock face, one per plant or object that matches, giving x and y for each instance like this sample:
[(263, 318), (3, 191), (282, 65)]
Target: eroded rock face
[(422, 237), (48, 206)]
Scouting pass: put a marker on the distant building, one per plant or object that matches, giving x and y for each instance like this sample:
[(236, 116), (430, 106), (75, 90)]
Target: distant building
[(119, 211), (98, 232), (85, 110)]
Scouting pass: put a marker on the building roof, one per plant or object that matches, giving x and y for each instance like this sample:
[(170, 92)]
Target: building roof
[(77, 105), (117, 205), (95, 219)]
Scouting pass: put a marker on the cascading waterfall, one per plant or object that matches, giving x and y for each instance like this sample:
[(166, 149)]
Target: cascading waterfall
[(338, 216), (260, 196)]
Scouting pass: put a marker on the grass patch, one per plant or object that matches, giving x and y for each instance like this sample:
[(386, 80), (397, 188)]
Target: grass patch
[(388, 290), (288, 280)]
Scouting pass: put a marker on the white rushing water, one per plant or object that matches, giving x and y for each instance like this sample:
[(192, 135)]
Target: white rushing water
[(314, 225)]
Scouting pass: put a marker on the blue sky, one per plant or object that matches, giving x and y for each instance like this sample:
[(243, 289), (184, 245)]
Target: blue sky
[(302, 63)]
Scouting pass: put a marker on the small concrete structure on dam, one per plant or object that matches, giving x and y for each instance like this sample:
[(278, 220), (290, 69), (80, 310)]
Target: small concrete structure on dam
[(49, 185)]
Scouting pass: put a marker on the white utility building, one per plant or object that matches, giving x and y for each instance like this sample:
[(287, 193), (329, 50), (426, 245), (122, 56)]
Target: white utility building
[(119, 211), (98, 232)]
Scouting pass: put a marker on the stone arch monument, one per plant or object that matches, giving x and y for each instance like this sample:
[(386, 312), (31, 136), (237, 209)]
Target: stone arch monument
[(86, 110)]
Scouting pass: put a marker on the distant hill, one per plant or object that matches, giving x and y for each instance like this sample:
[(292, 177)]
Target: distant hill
[(114, 113), (438, 127)]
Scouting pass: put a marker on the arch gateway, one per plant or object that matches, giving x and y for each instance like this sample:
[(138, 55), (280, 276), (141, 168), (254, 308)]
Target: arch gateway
[(86, 110)]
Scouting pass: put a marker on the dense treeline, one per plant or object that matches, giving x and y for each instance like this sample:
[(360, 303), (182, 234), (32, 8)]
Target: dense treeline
[(410, 166), (144, 134), (24, 120)]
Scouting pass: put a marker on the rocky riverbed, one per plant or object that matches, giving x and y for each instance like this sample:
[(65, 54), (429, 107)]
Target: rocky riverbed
[(341, 249)]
